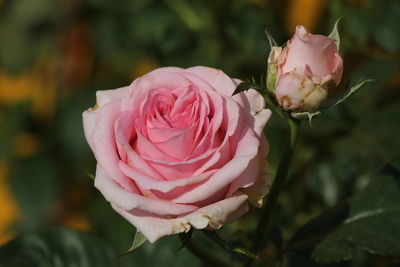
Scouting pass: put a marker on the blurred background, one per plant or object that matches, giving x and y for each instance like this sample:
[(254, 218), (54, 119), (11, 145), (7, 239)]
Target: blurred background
[(54, 55)]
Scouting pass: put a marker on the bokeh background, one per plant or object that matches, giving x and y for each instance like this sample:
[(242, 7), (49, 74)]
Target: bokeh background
[(54, 55)]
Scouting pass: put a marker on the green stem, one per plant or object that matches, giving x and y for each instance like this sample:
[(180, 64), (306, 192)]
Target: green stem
[(277, 185), (201, 253)]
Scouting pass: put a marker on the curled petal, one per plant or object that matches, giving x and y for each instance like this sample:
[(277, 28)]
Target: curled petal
[(106, 96), (296, 91), (212, 216), (316, 51), (246, 150), (253, 101), (100, 134), (130, 202), (149, 183), (216, 78)]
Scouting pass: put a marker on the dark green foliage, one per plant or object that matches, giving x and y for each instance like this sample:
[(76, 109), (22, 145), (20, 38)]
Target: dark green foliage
[(367, 222), (57, 247)]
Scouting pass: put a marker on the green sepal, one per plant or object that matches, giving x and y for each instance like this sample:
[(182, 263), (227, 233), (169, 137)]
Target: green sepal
[(244, 86), (305, 116), (138, 240), (335, 33), (271, 39), (352, 90), (271, 78), (272, 74)]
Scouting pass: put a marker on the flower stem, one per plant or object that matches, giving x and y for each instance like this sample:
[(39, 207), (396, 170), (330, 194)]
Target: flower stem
[(277, 185), (201, 253)]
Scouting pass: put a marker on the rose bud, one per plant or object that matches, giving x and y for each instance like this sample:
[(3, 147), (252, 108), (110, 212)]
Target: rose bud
[(303, 72), (175, 150)]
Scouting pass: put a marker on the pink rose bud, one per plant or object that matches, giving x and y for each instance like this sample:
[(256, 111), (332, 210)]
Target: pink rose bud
[(304, 71)]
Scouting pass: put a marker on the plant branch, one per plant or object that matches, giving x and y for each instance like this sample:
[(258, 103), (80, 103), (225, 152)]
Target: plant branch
[(279, 182)]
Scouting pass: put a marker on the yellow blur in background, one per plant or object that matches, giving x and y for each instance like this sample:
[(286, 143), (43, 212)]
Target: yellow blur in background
[(9, 213), (304, 12)]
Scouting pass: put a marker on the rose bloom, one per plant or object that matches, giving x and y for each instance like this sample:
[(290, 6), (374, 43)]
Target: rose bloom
[(176, 150), (307, 69)]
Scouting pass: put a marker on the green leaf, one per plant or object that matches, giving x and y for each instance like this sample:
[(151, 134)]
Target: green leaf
[(271, 40), (352, 90), (335, 33), (372, 224), (57, 247), (138, 240), (305, 239), (365, 223)]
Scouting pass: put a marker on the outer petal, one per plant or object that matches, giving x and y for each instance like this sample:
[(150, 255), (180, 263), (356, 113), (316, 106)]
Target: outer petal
[(212, 216), (296, 91), (260, 188), (316, 51), (99, 131), (89, 118), (129, 201), (168, 69), (216, 78), (337, 69), (106, 96), (253, 101), (254, 176)]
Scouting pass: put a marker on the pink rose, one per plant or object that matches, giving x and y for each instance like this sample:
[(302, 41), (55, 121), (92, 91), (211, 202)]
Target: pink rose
[(176, 150), (306, 69)]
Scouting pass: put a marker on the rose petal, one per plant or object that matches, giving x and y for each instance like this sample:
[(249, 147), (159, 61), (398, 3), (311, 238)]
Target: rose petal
[(123, 125), (148, 183), (140, 88), (216, 78), (212, 216), (316, 51), (89, 118), (253, 101), (179, 169), (296, 91), (129, 201), (102, 138), (106, 96), (247, 149), (178, 146), (254, 176)]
